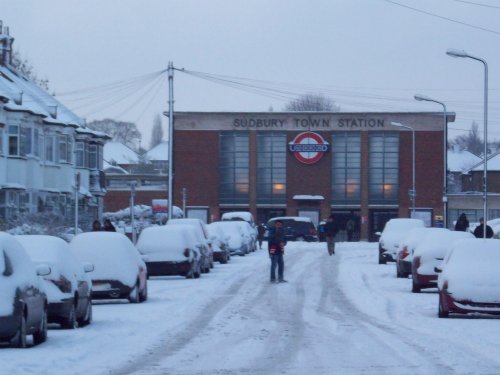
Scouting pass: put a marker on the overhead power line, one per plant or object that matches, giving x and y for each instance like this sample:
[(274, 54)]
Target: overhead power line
[(478, 4), (444, 18)]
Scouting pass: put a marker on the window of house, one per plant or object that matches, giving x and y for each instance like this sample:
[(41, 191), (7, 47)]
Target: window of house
[(26, 141), (93, 156), (63, 148), (1, 141), (346, 168), (49, 148), (80, 154), (69, 149), (234, 168), (383, 168), (36, 142), (271, 168), (14, 140)]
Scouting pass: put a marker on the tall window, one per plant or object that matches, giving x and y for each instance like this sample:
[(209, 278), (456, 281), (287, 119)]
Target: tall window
[(271, 168), (1, 141), (26, 141), (49, 148), (80, 154), (93, 156), (234, 168), (14, 140), (384, 168), (63, 147), (346, 168)]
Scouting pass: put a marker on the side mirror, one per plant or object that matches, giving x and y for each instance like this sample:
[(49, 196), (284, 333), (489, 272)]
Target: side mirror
[(378, 234), (88, 267), (438, 270), (43, 270), (144, 257)]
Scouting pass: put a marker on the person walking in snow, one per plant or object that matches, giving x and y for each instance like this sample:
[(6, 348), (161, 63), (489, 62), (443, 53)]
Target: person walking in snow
[(462, 223), (261, 229), (108, 227), (331, 230), (276, 245), (479, 231)]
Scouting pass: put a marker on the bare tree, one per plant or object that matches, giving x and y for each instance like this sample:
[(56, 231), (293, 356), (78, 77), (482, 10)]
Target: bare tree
[(156, 132), (312, 103), (121, 131), (471, 141), (23, 66)]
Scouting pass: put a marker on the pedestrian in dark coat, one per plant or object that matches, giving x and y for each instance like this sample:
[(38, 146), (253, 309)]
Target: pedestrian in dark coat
[(462, 223), (276, 245), (331, 230), (96, 226), (108, 227), (479, 231), (261, 229)]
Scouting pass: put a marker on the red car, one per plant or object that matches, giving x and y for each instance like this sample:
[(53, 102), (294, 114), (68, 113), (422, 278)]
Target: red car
[(469, 281)]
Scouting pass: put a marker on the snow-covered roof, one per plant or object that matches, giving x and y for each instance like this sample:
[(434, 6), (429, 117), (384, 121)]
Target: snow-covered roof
[(462, 161), (119, 153), (493, 163), (159, 152)]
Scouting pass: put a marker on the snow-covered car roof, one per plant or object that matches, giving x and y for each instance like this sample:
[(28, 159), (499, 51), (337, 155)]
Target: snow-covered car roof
[(54, 252), (437, 243), (415, 236), (24, 273), (296, 218), (241, 215), (471, 270), (168, 242), (189, 221), (113, 255)]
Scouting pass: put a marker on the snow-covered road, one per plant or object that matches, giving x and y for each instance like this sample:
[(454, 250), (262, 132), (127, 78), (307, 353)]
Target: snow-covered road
[(343, 314)]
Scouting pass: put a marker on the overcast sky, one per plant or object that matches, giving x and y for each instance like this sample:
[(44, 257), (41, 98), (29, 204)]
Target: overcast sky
[(367, 55)]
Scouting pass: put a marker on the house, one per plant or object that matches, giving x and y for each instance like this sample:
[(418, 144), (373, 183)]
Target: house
[(46, 152)]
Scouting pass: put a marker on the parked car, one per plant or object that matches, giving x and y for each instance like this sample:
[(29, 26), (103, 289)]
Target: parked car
[(250, 235), (68, 287), (429, 254), (219, 243), (394, 231), (246, 217), (407, 245), (119, 271), (207, 261), (23, 302), (171, 250), (469, 281), (297, 228), (237, 239)]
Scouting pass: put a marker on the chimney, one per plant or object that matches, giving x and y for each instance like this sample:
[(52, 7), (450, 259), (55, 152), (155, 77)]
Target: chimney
[(6, 42)]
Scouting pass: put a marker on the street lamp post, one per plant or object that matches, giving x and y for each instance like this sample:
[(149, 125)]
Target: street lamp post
[(459, 53), (413, 192), (445, 155)]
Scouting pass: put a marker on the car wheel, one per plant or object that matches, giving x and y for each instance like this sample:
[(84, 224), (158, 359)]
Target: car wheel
[(143, 296), (399, 275), (41, 336), (415, 288), (70, 322), (134, 294), (87, 319), (381, 260), (190, 273), (19, 340), (442, 312)]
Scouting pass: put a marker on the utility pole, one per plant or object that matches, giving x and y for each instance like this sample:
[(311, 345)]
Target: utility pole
[(77, 189), (132, 211), (170, 136), (184, 201)]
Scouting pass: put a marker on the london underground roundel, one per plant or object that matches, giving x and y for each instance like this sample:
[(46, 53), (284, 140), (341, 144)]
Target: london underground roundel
[(308, 147)]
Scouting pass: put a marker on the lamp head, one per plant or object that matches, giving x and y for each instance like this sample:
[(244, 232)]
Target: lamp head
[(456, 53), (420, 97), (397, 124)]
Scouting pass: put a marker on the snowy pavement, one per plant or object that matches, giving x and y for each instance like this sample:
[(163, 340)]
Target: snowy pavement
[(343, 314)]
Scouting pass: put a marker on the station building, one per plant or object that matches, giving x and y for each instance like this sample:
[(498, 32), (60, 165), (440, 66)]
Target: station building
[(352, 165)]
